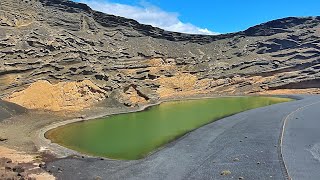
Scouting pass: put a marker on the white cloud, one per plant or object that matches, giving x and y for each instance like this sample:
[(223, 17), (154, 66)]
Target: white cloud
[(147, 14)]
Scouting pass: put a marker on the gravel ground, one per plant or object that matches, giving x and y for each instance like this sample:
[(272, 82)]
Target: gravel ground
[(242, 146)]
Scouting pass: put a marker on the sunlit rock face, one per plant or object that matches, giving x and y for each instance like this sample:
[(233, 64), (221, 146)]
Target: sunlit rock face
[(69, 96), (62, 41)]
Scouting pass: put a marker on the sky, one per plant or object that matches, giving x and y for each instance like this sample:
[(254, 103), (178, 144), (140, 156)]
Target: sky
[(205, 16)]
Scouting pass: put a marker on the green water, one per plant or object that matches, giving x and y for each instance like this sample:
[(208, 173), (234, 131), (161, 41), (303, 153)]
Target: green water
[(134, 135)]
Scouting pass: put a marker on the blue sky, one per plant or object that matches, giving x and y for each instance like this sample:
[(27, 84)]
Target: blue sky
[(205, 16)]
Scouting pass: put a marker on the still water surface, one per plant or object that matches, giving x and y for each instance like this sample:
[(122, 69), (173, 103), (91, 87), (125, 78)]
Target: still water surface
[(134, 135)]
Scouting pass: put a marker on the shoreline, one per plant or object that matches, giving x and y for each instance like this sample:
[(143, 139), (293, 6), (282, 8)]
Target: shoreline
[(251, 136), (44, 145)]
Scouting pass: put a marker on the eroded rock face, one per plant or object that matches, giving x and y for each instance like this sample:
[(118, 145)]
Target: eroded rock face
[(62, 41)]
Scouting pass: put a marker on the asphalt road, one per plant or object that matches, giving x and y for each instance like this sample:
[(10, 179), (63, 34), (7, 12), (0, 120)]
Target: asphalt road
[(246, 144)]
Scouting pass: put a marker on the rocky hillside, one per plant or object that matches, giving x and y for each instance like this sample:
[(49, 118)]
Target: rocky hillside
[(8, 110), (62, 41)]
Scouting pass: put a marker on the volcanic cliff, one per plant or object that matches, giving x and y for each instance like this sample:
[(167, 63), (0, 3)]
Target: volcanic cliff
[(58, 54)]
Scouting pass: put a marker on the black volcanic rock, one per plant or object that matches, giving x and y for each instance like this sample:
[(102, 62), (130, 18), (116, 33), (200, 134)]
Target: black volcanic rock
[(68, 6), (284, 25), (8, 110)]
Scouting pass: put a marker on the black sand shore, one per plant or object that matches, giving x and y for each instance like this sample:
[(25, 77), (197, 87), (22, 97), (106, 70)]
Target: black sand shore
[(246, 144), (301, 143), (8, 110)]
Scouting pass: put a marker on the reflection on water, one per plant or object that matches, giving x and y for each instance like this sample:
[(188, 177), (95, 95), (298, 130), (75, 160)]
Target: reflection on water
[(134, 135)]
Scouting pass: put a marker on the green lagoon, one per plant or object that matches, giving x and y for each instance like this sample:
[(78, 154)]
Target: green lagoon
[(135, 135)]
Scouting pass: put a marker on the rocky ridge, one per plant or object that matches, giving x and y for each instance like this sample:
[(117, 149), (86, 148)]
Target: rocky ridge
[(62, 41)]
